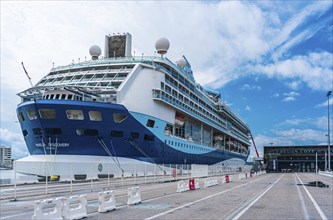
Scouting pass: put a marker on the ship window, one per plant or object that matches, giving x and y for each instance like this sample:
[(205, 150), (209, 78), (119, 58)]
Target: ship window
[(74, 114), (150, 123), (21, 116), (117, 133), (118, 118), (32, 114), (51, 96), (47, 113), (63, 96), (25, 133), (148, 137), (57, 96), (134, 135), (87, 132), (52, 130), (95, 116), (70, 97), (37, 131)]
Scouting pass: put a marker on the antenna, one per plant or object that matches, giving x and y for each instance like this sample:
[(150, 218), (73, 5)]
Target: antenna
[(27, 74)]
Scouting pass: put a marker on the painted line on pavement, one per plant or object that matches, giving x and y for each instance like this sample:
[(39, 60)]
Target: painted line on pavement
[(321, 213), (305, 211), (255, 200), (199, 200)]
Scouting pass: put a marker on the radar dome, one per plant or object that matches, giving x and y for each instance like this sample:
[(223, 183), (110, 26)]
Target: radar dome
[(162, 45), (181, 62), (95, 51)]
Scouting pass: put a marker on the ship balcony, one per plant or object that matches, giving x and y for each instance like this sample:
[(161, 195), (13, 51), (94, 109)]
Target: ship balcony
[(162, 96)]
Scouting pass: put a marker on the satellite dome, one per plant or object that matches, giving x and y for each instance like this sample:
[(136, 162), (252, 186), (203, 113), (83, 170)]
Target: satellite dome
[(162, 45), (95, 51), (181, 62)]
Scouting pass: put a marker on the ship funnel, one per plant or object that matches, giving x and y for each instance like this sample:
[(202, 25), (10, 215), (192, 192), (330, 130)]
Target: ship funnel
[(95, 51)]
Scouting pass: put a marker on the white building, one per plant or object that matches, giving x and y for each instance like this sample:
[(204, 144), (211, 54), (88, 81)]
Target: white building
[(5, 156)]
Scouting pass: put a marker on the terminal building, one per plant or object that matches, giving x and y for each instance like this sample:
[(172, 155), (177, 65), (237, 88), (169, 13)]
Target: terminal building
[(297, 158)]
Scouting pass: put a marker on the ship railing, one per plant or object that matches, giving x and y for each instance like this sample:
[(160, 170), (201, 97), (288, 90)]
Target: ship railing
[(116, 60)]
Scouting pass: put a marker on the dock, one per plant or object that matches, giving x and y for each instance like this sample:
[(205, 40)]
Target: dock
[(267, 196)]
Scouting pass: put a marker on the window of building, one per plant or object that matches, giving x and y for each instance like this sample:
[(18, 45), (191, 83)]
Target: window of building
[(52, 130), (74, 114), (95, 116), (117, 133), (47, 113), (118, 118), (87, 132), (32, 114), (150, 123)]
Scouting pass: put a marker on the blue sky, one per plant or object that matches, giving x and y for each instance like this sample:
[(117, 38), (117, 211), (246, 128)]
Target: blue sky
[(271, 60)]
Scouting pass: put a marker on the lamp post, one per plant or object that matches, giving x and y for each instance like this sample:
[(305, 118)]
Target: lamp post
[(328, 128)]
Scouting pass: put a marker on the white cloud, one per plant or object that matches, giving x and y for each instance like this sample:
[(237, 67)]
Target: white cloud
[(250, 87), (16, 141), (315, 69), (324, 104), (294, 84), (302, 134), (247, 108), (291, 96)]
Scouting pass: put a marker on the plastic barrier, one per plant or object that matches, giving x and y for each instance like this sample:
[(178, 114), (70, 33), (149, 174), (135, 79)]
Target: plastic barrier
[(210, 182), (191, 184), (48, 209), (182, 186), (227, 178), (106, 201), (197, 186), (134, 196), (75, 207)]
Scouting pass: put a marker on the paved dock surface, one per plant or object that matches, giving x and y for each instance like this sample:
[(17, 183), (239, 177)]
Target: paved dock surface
[(268, 196)]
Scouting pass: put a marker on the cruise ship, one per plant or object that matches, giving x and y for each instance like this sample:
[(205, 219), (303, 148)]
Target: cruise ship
[(121, 108)]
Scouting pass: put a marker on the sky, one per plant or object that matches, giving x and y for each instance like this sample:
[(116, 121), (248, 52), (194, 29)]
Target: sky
[(271, 61)]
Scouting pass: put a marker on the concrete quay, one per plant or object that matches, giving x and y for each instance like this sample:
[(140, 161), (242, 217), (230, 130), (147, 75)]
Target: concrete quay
[(268, 196)]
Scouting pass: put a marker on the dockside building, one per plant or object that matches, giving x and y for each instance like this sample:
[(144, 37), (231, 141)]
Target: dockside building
[(297, 158)]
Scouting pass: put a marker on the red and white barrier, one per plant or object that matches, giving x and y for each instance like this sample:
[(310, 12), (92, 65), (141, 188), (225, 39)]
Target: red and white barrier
[(197, 186), (210, 182), (106, 201), (182, 186)]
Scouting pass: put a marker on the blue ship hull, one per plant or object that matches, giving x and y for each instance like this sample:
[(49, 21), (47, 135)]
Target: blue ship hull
[(107, 138)]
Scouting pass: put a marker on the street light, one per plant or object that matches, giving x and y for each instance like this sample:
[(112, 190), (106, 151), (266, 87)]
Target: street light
[(328, 128)]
